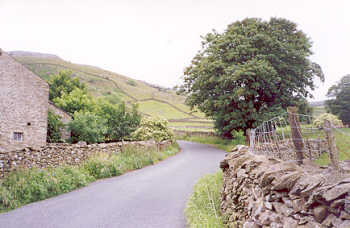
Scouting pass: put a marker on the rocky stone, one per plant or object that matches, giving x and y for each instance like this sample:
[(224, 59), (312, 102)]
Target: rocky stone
[(336, 192), (344, 224), (282, 209), (267, 192), (289, 223), (320, 213), (287, 181), (250, 224)]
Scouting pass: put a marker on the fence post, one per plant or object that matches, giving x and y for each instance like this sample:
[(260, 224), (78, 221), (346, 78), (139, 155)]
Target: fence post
[(296, 133), (332, 147), (247, 136)]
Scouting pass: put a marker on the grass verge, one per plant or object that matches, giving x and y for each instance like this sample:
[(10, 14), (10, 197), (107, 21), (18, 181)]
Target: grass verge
[(29, 185), (203, 206), (223, 144)]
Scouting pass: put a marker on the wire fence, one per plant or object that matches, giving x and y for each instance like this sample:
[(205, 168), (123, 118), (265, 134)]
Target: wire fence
[(283, 136)]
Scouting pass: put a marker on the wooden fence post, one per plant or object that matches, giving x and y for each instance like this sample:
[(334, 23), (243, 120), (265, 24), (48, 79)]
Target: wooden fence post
[(332, 147), (296, 133), (247, 137)]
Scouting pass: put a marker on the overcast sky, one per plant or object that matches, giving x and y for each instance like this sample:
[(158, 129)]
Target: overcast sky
[(155, 40)]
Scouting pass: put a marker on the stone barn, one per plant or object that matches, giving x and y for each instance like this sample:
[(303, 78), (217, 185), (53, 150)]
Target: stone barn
[(24, 106)]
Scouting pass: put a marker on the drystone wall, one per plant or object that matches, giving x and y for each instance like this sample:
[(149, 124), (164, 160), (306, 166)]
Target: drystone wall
[(56, 154), (181, 133), (260, 191), (285, 150)]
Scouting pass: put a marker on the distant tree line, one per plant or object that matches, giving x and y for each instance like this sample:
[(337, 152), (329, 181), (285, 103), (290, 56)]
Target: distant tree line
[(339, 104)]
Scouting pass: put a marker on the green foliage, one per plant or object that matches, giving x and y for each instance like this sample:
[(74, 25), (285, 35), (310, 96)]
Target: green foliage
[(54, 126), (319, 122), (113, 98), (131, 82), (252, 66), (120, 122), (203, 206), (63, 82), (153, 128), (26, 186), (75, 101), (88, 127), (340, 104), (108, 165)]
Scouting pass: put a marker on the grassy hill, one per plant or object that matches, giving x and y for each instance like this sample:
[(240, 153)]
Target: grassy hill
[(152, 100)]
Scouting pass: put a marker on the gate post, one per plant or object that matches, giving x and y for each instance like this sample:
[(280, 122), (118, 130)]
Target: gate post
[(296, 133)]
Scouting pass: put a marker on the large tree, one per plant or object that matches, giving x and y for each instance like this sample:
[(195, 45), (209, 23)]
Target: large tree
[(63, 82), (340, 102), (252, 67)]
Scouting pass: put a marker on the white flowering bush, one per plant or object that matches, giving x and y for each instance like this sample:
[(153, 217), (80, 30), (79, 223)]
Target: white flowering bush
[(327, 116), (153, 128)]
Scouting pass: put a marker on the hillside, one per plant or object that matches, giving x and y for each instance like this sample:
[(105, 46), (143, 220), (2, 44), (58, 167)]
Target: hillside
[(152, 100)]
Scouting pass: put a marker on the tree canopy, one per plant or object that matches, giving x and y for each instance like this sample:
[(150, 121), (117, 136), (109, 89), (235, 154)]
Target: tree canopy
[(63, 82), (340, 103), (252, 67)]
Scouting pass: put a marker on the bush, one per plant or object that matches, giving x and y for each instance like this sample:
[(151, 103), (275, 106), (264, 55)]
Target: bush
[(54, 126), (153, 128), (131, 82), (327, 116), (120, 122), (203, 206), (88, 127)]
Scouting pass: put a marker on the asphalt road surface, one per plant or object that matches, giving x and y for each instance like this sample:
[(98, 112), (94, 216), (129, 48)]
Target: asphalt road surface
[(154, 196)]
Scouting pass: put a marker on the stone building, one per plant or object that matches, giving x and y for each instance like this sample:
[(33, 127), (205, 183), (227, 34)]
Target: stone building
[(23, 106)]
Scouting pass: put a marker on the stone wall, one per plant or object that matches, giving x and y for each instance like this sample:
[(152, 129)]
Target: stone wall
[(23, 106), (285, 150), (65, 118), (56, 154), (181, 133), (260, 191)]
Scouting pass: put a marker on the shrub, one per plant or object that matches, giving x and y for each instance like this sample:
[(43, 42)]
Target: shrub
[(88, 127), (153, 128), (131, 82), (120, 122), (327, 116), (54, 126)]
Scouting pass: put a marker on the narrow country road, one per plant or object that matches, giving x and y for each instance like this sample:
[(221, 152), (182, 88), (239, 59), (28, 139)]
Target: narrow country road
[(153, 197)]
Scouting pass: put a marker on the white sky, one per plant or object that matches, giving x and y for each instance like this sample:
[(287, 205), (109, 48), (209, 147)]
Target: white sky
[(155, 40)]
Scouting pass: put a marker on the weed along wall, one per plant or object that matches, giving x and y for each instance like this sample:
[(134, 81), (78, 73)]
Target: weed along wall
[(261, 191), (56, 154)]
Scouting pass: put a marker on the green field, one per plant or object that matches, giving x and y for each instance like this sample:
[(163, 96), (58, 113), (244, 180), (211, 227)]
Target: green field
[(342, 138), (152, 100)]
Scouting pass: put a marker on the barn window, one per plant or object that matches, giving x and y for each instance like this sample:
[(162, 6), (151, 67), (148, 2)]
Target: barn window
[(18, 136)]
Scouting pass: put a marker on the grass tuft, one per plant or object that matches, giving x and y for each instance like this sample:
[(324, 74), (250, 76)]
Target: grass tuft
[(203, 206)]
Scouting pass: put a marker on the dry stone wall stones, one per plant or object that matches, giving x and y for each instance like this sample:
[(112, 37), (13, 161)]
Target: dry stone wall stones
[(55, 154), (260, 191)]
